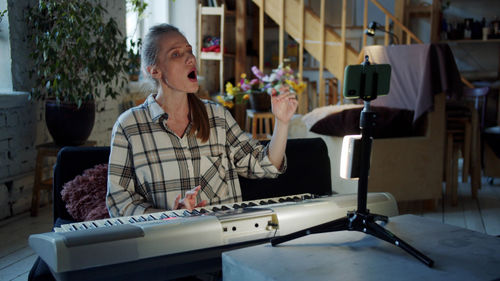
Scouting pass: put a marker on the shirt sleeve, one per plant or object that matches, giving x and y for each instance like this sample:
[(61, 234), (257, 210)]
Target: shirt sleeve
[(251, 159), (122, 198)]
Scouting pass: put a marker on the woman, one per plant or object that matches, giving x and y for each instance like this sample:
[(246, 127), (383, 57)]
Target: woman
[(176, 151)]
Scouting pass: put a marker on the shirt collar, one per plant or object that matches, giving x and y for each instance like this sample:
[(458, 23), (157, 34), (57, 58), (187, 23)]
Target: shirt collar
[(155, 109)]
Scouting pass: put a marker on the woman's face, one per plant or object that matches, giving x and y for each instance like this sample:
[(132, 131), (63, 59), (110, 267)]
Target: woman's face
[(176, 64)]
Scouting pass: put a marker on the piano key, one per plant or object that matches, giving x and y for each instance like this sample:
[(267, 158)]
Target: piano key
[(151, 218), (271, 201), (225, 208), (236, 206), (174, 214), (262, 202)]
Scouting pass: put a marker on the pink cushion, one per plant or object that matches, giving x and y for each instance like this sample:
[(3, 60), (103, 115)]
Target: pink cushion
[(85, 196)]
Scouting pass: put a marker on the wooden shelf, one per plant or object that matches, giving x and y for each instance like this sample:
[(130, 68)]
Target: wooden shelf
[(471, 41), (214, 55), (216, 11)]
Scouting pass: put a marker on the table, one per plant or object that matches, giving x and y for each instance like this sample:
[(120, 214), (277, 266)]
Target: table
[(458, 253), (45, 150)]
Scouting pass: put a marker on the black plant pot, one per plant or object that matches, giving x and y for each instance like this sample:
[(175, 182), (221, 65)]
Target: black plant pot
[(69, 125), (260, 101)]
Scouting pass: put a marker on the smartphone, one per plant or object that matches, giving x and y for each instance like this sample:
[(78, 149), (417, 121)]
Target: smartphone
[(376, 79)]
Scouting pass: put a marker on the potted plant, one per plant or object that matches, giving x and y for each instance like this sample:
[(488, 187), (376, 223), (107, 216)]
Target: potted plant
[(79, 55)]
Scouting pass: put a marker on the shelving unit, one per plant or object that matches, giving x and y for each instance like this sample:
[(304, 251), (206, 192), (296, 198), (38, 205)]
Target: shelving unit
[(220, 12)]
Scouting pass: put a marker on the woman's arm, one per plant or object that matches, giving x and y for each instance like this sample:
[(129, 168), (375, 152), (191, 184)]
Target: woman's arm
[(122, 198), (283, 107)]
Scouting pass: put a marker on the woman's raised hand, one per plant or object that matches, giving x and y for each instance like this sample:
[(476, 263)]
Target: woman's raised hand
[(284, 105), (189, 201)]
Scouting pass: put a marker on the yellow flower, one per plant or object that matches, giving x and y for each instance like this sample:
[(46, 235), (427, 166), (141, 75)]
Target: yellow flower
[(243, 75), (229, 88), (220, 99), (228, 104), (298, 88), (246, 97)]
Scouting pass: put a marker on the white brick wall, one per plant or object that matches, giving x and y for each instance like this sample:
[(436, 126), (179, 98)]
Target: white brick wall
[(22, 127)]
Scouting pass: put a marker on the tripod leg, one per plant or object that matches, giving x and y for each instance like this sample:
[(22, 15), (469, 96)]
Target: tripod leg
[(379, 218), (335, 225), (384, 234)]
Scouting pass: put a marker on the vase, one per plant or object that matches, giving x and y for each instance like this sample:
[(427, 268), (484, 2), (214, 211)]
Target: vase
[(260, 101), (68, 124)]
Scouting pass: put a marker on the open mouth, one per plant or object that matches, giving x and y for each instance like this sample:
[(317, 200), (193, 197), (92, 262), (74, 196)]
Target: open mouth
[(192, 75)]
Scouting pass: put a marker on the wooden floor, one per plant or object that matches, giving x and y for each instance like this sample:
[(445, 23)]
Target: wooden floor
[(481, 214)]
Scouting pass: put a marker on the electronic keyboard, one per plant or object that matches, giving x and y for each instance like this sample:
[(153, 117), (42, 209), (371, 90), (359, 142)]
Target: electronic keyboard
[(90, 244)]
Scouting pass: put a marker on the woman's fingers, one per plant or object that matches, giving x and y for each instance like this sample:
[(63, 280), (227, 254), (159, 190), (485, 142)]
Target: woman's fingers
[(189, 201), (201, 204), (176, 203)]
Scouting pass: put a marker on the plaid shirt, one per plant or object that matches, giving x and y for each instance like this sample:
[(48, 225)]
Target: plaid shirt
[(150, 165)]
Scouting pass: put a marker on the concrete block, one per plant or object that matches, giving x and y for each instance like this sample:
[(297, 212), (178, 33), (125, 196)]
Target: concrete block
[(12, 118), (21, 192), (4, 144), (3, 118), (4, 170)]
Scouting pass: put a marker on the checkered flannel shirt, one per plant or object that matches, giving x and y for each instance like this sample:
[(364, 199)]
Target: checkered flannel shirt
[(150, 165)]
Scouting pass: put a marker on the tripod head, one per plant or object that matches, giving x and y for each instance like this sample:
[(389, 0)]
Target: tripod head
[(366, 81)]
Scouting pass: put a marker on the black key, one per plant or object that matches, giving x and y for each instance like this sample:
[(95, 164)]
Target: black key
[(195, 212), (95, 225), (151, 218), (141, 218), (203, 211), (83, 226), (271, 201), (244, 205), (108, 223), (252, 204), (215, 209), (297, 199), (132, 220), (224, 208), (281, 200), (307, 197), (163, 216), (119, 221), (289, 199), (262, 202), (236, 206), (187, 213)]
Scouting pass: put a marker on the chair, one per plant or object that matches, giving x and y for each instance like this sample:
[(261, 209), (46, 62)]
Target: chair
[(464, 130)]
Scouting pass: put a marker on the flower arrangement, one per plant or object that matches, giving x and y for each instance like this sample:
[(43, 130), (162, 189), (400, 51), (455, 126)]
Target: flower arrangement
[(272, 84), (281, 77)]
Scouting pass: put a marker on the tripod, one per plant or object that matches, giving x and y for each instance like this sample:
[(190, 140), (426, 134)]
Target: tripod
[(361, 219)]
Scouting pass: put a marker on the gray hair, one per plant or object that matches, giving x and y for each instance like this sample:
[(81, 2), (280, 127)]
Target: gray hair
[(150, 46)]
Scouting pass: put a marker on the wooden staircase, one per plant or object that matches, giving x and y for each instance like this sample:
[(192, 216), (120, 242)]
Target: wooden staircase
[(312, 34), (322, 42)]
